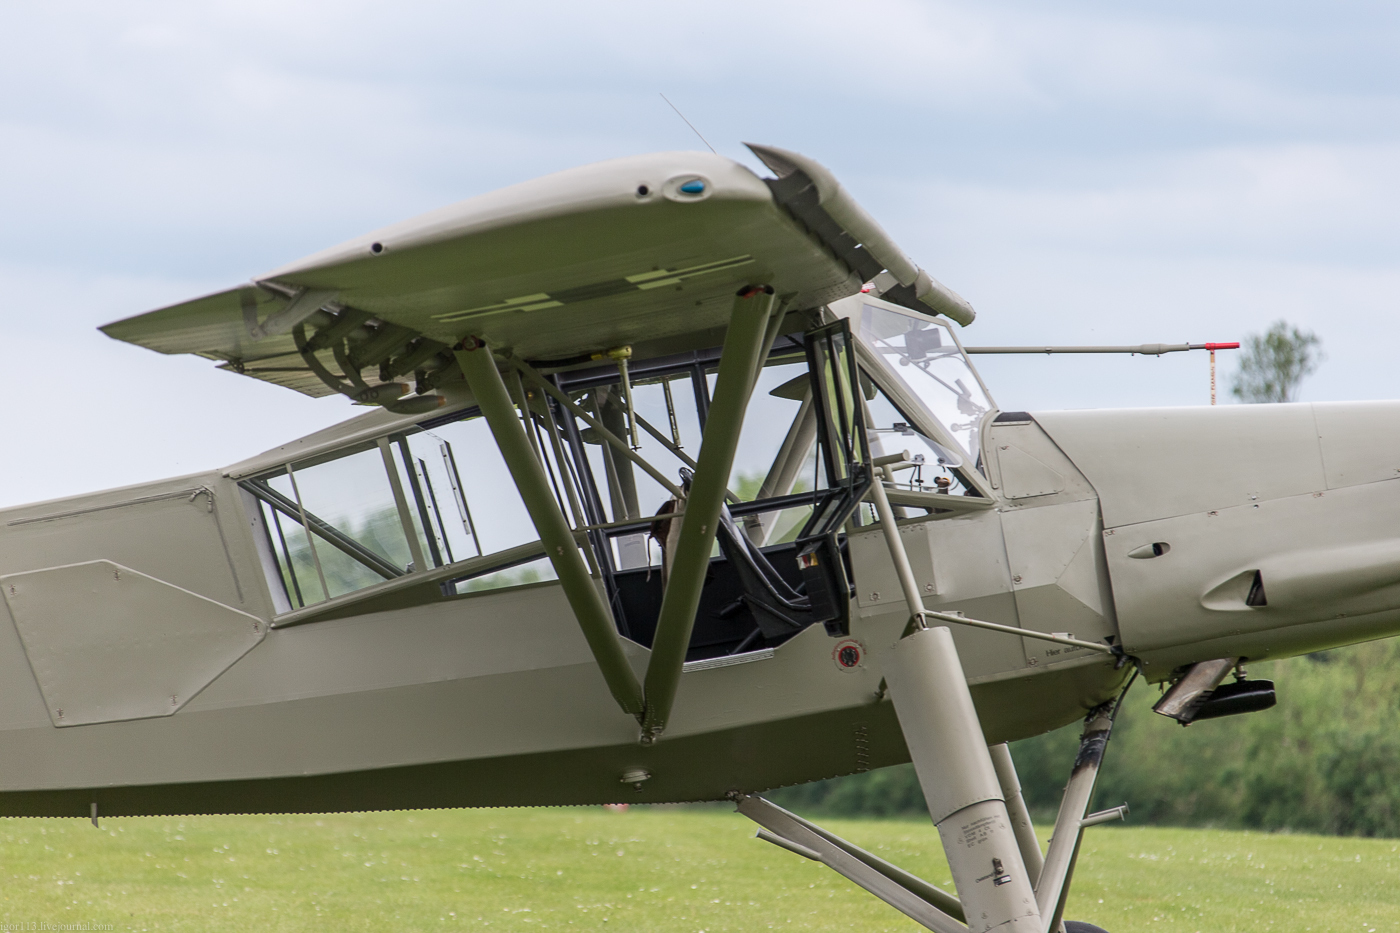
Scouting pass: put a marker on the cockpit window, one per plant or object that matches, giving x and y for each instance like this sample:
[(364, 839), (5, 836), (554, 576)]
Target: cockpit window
[(925, 357), (938, 469)]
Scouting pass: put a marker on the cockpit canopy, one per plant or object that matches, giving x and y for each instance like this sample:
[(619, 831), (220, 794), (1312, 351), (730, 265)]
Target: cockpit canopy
[(428, 509)]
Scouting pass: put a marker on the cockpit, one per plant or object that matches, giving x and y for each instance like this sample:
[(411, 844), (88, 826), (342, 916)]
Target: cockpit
[(427, 510)]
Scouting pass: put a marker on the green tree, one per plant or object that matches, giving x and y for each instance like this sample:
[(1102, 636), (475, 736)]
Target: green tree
[(1275, 363), (1324, 760)]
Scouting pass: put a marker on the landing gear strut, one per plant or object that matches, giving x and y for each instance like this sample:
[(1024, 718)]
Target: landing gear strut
[(1003, 882)]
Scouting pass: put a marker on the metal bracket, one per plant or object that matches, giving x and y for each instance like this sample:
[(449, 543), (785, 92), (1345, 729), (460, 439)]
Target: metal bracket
[(1105, 816), (303, 304)]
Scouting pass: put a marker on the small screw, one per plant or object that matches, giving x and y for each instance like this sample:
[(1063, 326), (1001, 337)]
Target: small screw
[(1016, 579), (874, 597)]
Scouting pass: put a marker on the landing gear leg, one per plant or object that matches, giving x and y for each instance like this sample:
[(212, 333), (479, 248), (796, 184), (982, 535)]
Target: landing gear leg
[(960, 785), (992, 851), (984, 823)]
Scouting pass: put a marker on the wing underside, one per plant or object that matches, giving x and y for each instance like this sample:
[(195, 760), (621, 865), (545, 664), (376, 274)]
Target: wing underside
[(646, 252)]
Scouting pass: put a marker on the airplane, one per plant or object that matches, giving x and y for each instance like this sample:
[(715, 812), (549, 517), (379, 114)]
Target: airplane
[(674, 482)]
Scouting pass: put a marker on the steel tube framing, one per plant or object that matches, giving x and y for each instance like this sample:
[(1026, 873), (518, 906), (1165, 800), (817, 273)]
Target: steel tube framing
[(890, 527), (1146, 349), (617, 443), (918, 900), (1017, 810), (415, 548), (479, 367), (1063, 852), (738, 364)]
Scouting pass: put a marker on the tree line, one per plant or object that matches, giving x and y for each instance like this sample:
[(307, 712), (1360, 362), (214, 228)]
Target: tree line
[(1324, 760)]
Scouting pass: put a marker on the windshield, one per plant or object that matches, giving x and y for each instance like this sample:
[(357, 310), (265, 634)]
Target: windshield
[(890, 432), (926, 358)]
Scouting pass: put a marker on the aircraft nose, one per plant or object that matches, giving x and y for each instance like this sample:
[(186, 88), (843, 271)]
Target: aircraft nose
[(1257, 528)]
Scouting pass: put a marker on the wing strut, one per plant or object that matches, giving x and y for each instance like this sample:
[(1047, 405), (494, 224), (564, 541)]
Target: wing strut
[(745, 345), (593, 615)]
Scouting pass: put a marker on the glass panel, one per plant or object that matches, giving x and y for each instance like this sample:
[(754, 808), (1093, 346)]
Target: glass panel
[(293, 557), (626, 491), (429, 509), (924, 355), (536, 571), (444, 496), (794, 469), (780, 527), (489, 516), (891, 431), (352, 495), (765, 421), (776, 400)]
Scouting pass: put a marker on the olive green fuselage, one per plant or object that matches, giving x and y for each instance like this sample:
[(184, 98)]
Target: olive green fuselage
[(149, 669)]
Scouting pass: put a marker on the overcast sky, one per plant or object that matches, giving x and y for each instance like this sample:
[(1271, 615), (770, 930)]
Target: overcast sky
[(1081, 172)]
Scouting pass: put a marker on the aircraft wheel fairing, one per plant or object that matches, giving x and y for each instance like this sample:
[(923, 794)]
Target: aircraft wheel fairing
[(1079, 926)]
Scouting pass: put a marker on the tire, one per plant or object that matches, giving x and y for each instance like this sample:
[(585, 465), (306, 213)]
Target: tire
[(1079, 926)]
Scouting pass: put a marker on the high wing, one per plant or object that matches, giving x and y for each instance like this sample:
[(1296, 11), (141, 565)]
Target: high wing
[(639, 251)]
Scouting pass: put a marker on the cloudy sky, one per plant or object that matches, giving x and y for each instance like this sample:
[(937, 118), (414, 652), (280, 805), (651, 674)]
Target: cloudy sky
[(1081, 172)]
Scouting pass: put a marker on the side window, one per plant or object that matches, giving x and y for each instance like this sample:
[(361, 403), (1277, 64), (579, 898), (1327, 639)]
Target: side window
[(472, 501), (356, 535), (782, 393), (441, 496), (471, 504), (777, 454), (416, 502)]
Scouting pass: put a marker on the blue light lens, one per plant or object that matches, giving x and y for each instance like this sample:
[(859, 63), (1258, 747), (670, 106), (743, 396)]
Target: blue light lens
[(694, 186)]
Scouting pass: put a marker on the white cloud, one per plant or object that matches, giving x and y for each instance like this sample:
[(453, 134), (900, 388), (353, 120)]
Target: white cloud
[(1082, 172)]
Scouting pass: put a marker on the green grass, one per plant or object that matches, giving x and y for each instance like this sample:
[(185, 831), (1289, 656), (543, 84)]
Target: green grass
[(649, 869)]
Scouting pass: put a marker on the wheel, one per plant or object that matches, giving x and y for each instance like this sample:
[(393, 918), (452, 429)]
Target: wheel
[(1079, 926)]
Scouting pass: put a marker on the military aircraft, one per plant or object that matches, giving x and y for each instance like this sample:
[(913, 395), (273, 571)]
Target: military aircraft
[(676, 483)]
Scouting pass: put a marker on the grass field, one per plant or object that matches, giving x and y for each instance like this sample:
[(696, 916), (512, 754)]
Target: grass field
[(649, 869)]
